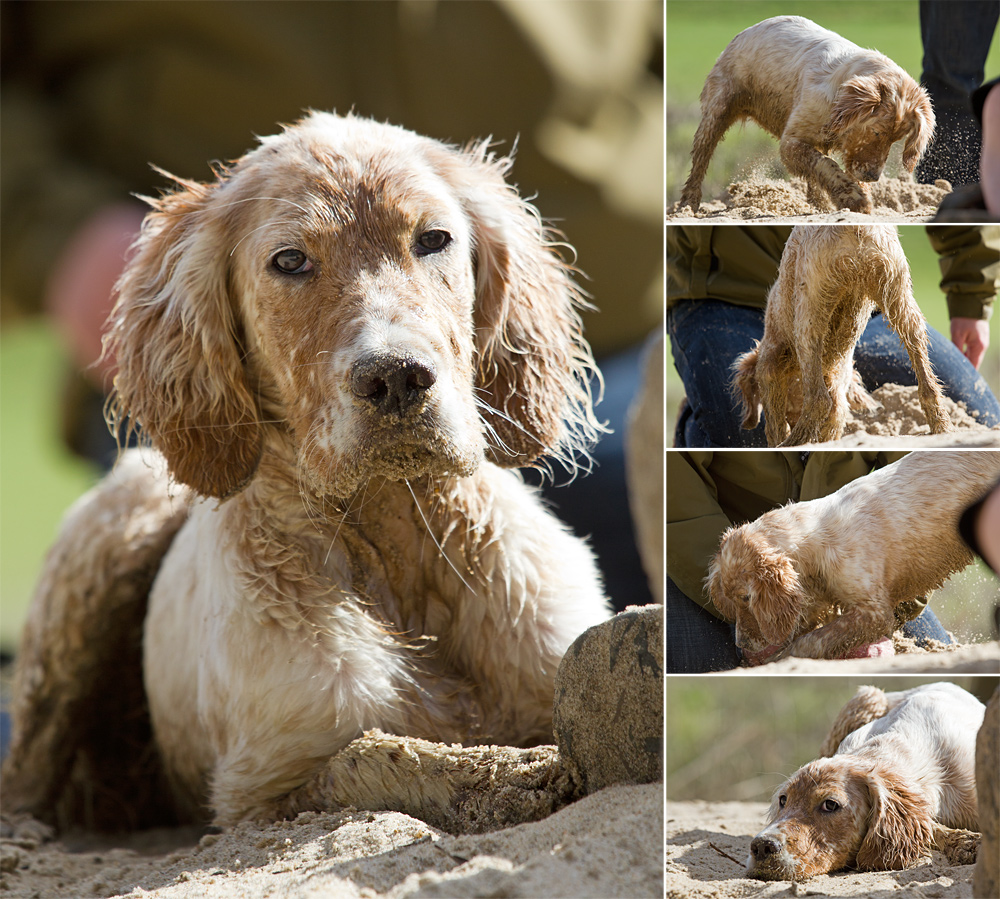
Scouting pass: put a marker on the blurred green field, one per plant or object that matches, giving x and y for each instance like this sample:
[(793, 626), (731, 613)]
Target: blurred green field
[(738, 738), (38, 478), (699, 30)]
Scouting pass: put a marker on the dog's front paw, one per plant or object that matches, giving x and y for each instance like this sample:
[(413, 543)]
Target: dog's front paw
[(960, 847), (808, 646), (853, 198), (763, 656)]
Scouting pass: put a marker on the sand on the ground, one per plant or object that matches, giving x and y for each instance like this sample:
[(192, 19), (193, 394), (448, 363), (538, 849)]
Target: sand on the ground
[(707, 846), (773, 201), (900, 423), (942, 659), (607, 844)]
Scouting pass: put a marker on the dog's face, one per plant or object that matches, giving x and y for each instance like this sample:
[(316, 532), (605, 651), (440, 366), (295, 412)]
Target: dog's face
[(386, 302), (872, 112), (816, 823), (755, 584), (358, 278), (839, 812)]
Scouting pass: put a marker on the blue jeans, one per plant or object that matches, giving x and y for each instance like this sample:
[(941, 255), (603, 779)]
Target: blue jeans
[(595, 505), (956, 39), (698, 642), (706, 336)]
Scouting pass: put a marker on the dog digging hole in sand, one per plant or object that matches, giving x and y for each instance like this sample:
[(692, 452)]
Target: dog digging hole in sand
[(901, 415), (755, 196)]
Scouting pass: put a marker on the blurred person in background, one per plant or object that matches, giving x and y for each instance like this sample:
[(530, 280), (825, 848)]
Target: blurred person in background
[(94, 92), (711, 491)]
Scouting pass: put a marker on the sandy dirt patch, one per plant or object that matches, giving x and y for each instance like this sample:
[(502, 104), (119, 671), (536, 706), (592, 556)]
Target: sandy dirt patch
[(607, 844), (772, 201), (901, 424), (902, 417), (707, 844), (940, 659)]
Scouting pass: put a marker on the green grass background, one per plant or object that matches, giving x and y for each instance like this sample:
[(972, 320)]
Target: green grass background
[(38, 478), (738, 738), (699, 30)]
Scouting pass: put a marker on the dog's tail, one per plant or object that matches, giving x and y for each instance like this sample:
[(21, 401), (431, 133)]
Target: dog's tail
[(745, 386)]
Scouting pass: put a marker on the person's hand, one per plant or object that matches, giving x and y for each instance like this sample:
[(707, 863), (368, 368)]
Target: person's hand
[(80, 291), (972, 337), (987, 529)]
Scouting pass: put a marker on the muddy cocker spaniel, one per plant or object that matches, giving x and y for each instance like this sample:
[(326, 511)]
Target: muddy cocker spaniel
[(342, 347)]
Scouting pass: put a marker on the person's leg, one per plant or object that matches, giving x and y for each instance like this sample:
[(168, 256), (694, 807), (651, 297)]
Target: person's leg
[(594, 503), (882, 359), (956, 39), (697, 641), (706, 337), (924, 627)]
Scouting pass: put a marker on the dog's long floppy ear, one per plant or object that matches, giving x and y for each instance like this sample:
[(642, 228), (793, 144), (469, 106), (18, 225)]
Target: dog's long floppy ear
[(533, 365), (856, 99), (174, 339), (917, 99), (900, 827), (777, 595)]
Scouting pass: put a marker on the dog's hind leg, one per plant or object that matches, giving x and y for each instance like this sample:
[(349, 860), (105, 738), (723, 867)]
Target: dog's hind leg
[(867, 705), (903, 316), (718, 112)]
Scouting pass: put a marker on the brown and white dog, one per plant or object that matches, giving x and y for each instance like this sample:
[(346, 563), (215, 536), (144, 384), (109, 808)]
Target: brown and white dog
[(340, 347), (818, 93), (897, 779), (820, 578), (830, 281)]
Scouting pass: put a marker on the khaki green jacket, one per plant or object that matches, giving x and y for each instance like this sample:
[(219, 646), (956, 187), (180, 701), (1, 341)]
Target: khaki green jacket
[(738, 264), (710, 491)]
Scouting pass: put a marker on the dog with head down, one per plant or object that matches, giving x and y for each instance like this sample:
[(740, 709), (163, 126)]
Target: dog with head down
[(817, 93), (894, 780), (801, 374), (820, 578)]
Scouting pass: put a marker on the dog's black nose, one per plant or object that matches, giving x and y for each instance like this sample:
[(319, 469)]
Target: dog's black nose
[(392, 383), (763, 847)]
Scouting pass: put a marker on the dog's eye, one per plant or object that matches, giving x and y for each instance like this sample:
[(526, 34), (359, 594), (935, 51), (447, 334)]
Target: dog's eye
[(746, 597), (782, 800), (829, 806), (291, 261), (433, 241)]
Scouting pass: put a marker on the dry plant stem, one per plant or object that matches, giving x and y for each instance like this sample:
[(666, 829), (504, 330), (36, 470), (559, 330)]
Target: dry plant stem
[(459, 789)]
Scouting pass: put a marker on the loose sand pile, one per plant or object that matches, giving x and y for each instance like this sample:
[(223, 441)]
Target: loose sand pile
[(902, 417), (607, 844), (768, 200), (707, 845)]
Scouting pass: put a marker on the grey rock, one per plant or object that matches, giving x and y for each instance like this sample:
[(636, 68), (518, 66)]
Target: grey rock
[(608, 716)]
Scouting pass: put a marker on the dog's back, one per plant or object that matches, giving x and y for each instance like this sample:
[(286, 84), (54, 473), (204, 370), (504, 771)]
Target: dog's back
[(769, 65)]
